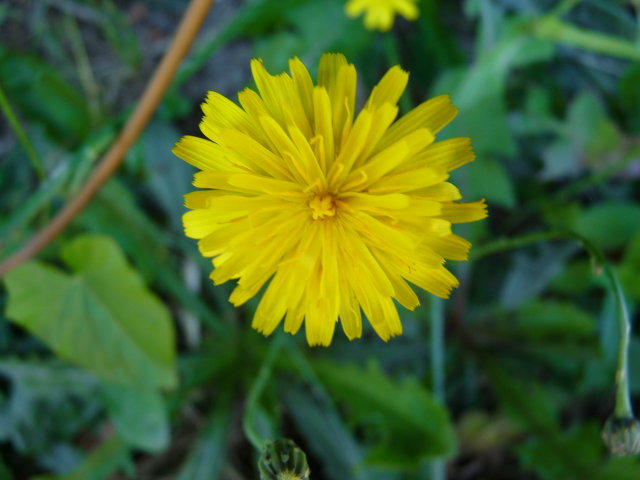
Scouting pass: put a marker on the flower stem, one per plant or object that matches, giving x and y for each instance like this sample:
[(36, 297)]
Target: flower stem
[(623, 407), (248, 421), (438, 470), (21, 134)]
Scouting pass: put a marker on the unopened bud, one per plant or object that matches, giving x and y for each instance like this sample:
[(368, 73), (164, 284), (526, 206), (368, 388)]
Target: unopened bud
[(283, 460), (622, 436)]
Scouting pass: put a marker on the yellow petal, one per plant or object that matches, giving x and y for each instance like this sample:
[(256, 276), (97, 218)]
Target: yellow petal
[(447, 154), (303, 85), (433, 115), (203, 154), (464, 212), (389, 89), (350, 317), (324, 145)]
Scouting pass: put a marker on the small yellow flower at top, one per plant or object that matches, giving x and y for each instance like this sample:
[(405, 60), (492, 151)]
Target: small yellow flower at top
[(380, 13)]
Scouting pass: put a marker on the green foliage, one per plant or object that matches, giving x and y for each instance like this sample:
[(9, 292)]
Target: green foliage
[(47, 403), (541, 319), (100, 317), (110, 456), (207, 456), (42, 94), (326, 435), (548, 92), (139, 415), (408, 423), (609, 225)]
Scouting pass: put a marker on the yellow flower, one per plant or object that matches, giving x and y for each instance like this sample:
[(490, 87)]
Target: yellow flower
[(337, 213), (380, 13)]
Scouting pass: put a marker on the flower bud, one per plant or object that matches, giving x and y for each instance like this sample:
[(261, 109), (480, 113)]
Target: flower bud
[(622, 436), (283, 460)]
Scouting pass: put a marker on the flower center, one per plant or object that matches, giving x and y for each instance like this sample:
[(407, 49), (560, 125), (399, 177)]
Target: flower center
[(322, 206)]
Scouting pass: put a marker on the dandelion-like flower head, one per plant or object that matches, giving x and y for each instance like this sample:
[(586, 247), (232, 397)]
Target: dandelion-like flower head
[(379, 14), (331, 215)]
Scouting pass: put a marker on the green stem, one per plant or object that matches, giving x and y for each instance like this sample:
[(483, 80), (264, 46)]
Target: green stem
[(248, 422), (504, 244), (600, 265), (552, 28), (438, 470), (21, 134), (623, 407)]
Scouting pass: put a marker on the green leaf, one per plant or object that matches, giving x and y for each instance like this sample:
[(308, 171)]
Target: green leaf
[(629, 93), (629, 270), (100, 317), (541, 455), (109, 457), (589, 127), (47, 402), (139, 415), (575, 278), (490, 181), (68, 173), (560, 160), (411, 424), (526, 403), (208, 455), (609, 224), (480, 90), (531, 273), (326, 435), (618, 469), (39, 91), (114, 212), (542, 319)]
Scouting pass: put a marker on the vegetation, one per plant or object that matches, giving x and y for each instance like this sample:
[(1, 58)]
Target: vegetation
[(120, 360)]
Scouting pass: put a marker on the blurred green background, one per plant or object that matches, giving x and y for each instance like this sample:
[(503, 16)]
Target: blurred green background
[(523, 381)]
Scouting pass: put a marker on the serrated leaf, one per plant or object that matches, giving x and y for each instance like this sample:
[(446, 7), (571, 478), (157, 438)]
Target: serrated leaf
[(139, 415), (412, 425), (100, 317)]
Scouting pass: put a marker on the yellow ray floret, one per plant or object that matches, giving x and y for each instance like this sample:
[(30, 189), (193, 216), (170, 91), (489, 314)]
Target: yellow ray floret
[(331, 213), (379, 14)]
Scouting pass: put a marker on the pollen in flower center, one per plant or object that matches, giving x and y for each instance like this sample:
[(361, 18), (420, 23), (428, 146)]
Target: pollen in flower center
[(322, 206)]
